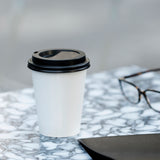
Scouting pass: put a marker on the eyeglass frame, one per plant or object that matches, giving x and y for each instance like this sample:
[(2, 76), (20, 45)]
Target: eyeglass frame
[(140, 92)]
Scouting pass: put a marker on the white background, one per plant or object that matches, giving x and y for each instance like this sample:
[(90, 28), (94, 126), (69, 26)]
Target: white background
[(113, 33)]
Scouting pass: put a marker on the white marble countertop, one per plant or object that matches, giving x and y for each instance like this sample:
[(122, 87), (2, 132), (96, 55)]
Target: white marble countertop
[(105, 113)]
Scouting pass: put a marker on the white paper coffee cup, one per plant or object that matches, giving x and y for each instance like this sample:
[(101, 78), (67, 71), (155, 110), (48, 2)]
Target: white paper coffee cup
[(58, 79)]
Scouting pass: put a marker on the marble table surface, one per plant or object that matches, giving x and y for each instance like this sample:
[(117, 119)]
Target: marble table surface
[(105, 113)]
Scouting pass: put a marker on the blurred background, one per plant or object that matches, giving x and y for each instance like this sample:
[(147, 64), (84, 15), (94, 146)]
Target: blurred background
[(113, 33)]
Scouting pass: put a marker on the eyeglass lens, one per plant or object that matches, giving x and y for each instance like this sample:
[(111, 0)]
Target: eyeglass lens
[(130, 92), (153, 99)]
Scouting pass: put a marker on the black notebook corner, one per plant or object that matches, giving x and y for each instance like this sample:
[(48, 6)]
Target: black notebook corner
[(132, 147)]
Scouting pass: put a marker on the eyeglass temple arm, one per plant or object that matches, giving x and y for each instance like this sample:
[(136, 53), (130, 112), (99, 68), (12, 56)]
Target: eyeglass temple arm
[(139, 73)]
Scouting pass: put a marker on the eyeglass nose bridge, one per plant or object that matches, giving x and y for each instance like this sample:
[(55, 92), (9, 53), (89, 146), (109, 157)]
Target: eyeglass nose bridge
[(146, 98), (144, 95)]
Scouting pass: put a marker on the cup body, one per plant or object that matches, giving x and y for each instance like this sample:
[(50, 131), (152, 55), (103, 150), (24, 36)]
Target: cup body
[(58, 79), (59, 100)]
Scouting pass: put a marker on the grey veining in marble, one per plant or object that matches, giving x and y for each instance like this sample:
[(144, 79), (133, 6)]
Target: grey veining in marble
[(105, 113)]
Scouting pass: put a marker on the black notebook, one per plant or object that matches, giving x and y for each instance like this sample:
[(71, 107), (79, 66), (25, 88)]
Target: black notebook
[(134, 147)]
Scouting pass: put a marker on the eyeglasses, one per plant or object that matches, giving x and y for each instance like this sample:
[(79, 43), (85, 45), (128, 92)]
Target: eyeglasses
[(133, 94)]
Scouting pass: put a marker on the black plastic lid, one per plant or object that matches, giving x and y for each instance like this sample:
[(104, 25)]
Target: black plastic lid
[(58, 61)]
